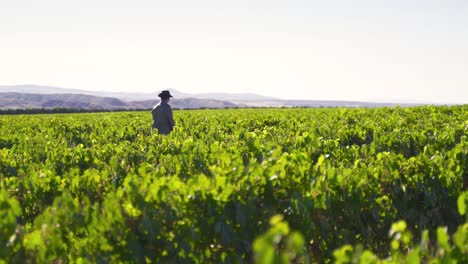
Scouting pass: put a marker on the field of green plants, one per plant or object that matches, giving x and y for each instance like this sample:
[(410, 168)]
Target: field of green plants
[(384, 185)]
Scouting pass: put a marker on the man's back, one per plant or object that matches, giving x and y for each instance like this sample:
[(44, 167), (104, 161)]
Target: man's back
[(162, 118)]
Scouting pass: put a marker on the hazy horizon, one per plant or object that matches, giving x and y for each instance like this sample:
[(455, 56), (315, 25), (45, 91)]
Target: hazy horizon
[(382, 51), (153, 94)]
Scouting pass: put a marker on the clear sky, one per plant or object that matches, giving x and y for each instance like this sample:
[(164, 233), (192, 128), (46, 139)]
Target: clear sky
[(373, 50)]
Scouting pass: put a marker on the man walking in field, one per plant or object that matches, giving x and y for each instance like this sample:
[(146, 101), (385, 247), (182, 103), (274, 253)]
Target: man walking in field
[(162, 114)]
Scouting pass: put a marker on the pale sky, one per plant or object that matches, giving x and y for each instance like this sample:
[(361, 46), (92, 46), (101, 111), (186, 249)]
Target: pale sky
[(371, 50)]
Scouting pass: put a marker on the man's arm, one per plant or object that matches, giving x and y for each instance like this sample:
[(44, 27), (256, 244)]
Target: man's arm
[(171, 118)]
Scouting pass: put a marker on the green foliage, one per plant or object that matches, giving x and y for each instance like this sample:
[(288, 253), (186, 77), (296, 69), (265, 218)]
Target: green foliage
[(405, 250), (100, 188), (279, 244), (9, 210)]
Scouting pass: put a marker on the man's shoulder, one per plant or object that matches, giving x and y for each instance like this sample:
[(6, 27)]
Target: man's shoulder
[(166, 106), (156, 107)]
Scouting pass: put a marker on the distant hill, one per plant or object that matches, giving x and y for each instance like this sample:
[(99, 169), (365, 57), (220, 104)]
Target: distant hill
[(28, 95), (125, 96), (14, 100), (39, 89), (186, 103), (313, 103), (233, 97), (79, 101)]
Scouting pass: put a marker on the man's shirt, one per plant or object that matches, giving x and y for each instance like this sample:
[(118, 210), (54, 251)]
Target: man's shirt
[(162, 118)]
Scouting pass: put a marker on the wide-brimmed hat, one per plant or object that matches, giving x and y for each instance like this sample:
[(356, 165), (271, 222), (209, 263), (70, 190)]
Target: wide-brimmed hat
[(165, 94)]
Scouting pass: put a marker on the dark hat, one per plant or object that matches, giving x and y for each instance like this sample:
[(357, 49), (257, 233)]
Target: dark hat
[(165, 94)]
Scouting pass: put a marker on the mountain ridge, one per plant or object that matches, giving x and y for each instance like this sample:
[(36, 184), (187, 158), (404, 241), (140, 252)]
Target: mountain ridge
[(126, 96), (181, 100), (15, 100)]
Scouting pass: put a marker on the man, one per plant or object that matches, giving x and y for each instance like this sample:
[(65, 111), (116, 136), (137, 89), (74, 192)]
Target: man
[(162, 114)]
